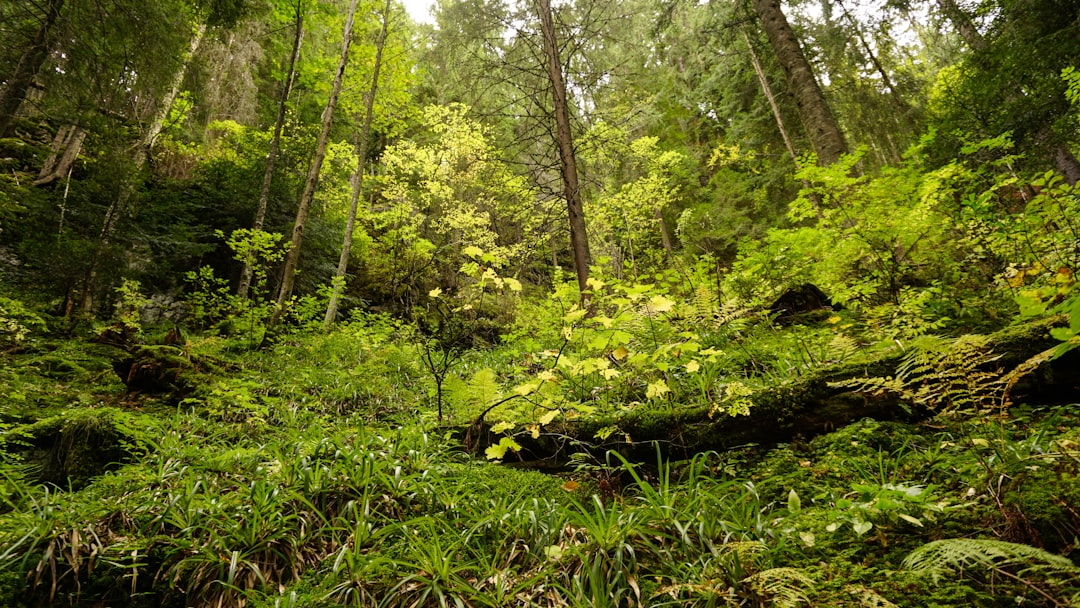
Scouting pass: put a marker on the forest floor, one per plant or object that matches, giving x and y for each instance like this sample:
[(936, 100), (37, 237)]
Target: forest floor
[(308, 474)]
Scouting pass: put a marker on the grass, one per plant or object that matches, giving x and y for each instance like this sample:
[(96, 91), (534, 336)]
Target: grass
[(298, 488)]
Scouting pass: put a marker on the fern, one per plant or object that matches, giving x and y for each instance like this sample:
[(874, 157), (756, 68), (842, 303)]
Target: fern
[(868, 598), (942, 375), (1024, 564), (783, 587)]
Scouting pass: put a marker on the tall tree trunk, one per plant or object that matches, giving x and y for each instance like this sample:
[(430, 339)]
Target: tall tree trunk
[(963, 24), (579, 243), (775, 107), (817, 118), (338, 282), (127, 189), (288, 277), (275, 146), (18, 82)]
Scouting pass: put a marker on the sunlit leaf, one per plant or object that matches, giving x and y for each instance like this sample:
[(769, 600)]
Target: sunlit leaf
[(657, 389), (502, 427)]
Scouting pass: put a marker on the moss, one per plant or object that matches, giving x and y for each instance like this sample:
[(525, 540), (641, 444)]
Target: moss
[(74, 447)]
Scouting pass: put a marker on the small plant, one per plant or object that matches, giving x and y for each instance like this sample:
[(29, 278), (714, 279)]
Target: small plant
[(1052, 577)]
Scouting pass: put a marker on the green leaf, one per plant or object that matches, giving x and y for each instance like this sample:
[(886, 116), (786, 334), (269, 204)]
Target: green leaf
[(793, 501), (657, 389), (473, 251), (502, 427), (497, 452), (861, 527), (910, 519)]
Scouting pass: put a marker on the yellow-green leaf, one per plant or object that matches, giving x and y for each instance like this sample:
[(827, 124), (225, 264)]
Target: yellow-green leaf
[(527, 388), (473, 251), (548, 417), (657, 389), (502, 427), (661, 304)]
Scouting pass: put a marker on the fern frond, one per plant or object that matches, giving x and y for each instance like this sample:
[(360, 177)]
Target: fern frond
[(959, 554), (868, 598), (783, 587)]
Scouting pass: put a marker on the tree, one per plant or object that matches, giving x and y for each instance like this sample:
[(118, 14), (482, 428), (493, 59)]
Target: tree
[(247, 272), (817, 117), (17, 83), (1011, 80), (304, 208), (579, 243), (337, 283)]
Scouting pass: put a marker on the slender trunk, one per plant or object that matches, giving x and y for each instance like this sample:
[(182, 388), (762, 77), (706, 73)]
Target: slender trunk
[(579, 243), (665, 235), (358, 177), (288, 277), (765, 88), (898, 101), (18, 83), (275, 146), (779, 118), (817, 118), (127, 188)]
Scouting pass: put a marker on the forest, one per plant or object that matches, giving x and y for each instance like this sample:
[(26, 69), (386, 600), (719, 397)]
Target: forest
[(687, 303)]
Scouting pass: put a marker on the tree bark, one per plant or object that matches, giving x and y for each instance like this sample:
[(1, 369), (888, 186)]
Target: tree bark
[(288, 277), (1067, 164), (18, 83), (358, 177), (65, 149), (275, 146), (579, 243), (817, 118)]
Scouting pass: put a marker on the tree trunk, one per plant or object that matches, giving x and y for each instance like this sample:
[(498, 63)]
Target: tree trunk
[(963, 24), (358, 177), (1066, 164), (65, 149), (817, 118), (288, 277), (18, 82), (127, 188), (275, 145), (779, 118), (579, 243)]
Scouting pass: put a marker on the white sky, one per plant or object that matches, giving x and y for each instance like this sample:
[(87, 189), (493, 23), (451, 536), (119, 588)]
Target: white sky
[(419, 10)]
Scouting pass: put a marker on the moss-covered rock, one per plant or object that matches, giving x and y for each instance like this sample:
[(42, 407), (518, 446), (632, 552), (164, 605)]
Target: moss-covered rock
[(72, 448)]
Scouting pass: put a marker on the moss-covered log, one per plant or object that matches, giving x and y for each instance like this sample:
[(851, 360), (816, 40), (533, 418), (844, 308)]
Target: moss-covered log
[(808, 406)]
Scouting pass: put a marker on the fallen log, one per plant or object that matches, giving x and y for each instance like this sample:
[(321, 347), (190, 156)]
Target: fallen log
[(820, 401)]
